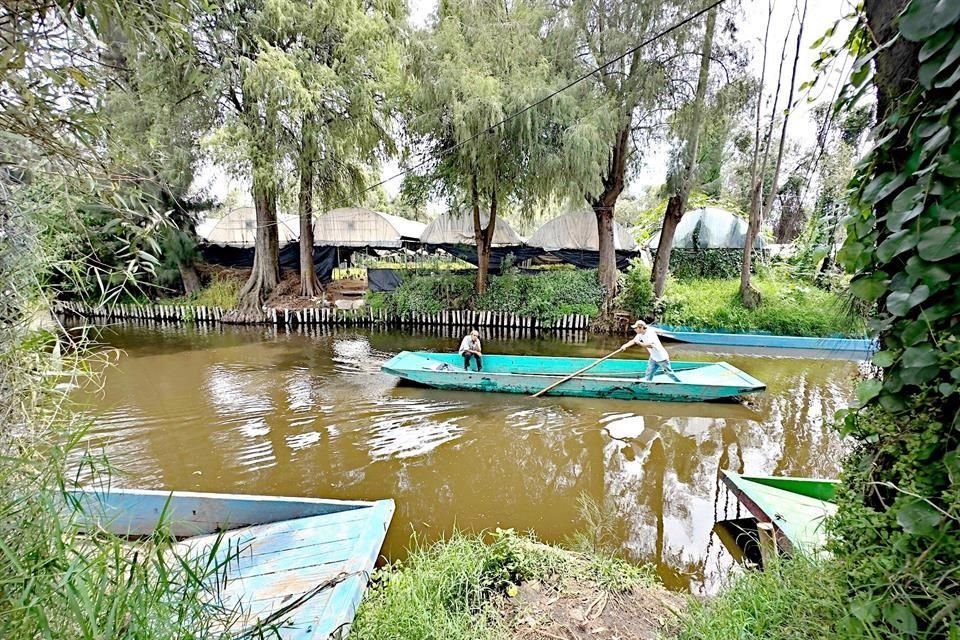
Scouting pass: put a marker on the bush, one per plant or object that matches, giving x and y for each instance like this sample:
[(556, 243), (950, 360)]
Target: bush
[(796, 599), (707, 263), (636, 290), (547, 296)]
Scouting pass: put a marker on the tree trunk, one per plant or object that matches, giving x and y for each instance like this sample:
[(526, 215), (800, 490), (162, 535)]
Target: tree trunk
[(749, 296), (266, 268), (661, 261), (603, 207), (309, 285), (677, 204), (189, 276), (483, 237), (791, 220)]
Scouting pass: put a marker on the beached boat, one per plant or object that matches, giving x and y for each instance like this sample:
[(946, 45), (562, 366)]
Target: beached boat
[(301, 563), (680, 334), (614, 378), (796, 507)]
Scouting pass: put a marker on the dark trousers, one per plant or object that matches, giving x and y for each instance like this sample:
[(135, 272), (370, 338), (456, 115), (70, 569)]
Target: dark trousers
[(466, 361)]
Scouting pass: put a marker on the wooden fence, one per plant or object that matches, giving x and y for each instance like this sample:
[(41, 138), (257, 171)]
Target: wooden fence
[(316, 316)]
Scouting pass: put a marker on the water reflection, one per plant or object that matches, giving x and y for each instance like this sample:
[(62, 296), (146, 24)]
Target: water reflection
[(254, 410)]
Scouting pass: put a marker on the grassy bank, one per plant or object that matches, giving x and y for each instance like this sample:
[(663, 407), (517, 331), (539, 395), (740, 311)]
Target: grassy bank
[(790, 308), (511, 586), (798, 599)]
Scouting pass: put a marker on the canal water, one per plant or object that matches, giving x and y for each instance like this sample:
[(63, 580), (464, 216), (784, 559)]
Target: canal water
[(308, 413)]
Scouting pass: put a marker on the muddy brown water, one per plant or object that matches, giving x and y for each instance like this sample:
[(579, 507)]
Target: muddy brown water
[(308, 413)]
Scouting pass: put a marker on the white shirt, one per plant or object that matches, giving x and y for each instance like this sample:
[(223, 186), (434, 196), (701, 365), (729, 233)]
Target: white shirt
[(651, 341), (469, 343)]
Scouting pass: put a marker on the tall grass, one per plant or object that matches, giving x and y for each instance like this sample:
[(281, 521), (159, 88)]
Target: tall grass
[(797, 599), (444, 590), (788, 307), (59, 579)]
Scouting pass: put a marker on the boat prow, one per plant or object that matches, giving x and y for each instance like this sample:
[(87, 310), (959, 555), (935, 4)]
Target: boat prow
[(796, 507), (303, 563), (614, 378)]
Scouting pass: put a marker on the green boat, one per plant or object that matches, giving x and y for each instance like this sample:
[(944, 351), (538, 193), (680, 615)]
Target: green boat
[(615, 378), (796, 507)]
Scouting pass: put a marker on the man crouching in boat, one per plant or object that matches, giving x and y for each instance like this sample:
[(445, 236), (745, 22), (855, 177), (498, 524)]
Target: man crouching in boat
[(470, 348), (659, 358)]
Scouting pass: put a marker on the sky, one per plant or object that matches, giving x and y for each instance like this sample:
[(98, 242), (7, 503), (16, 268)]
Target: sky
[(751, 21)]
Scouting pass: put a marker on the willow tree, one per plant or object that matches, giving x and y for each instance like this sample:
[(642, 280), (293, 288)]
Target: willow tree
[(638, 90), (480, 62), (334, 95), (682, 180)]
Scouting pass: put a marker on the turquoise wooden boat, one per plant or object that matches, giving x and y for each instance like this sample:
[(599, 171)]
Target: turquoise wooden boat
[(623, 379), (276, 552), (796, 507), (681, 334)]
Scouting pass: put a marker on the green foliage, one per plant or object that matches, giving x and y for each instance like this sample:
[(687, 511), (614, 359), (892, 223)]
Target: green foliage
[(797, 599), (898, 525), (789, 307), (221, 292), (547, 296), (708, 263), (444, 590), (636, 290)]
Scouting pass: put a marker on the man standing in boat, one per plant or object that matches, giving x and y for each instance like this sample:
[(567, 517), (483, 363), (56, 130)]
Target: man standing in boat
[(470, 348), (659, 358)]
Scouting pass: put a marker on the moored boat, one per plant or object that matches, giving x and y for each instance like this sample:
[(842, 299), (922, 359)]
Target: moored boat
[(727, 339), (613, 378), (299, 564), (796, 507)]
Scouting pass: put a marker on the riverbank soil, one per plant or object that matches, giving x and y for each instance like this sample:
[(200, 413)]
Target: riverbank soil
[(570, 605)]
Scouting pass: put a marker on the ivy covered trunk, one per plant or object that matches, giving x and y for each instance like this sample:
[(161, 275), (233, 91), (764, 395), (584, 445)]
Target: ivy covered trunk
[(309, 285), (898, 525), (266, 268)]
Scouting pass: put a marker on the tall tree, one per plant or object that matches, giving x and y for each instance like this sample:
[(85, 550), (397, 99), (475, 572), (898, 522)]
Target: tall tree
[(636, 88), (677, 204), (335, 95), (760, 208), (481, 62)]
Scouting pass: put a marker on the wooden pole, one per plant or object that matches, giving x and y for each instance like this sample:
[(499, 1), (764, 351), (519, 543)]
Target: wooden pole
[(575, 373), (767, 538)]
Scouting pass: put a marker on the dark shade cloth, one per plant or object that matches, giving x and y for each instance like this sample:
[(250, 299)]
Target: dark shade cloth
[(468, 253), (325, 259), (383, 279), (591, 259)]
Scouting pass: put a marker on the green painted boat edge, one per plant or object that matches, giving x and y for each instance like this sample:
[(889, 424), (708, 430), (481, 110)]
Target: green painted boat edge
[(791, 536), (820, 489)]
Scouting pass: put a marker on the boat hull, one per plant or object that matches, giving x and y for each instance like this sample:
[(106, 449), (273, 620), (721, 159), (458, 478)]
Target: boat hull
[(300, 563), (797, 507), (765, 340), (616, 379)]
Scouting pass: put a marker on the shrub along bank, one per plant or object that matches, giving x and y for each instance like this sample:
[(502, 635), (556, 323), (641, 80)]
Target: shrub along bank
[(789, 306), (547, 295)]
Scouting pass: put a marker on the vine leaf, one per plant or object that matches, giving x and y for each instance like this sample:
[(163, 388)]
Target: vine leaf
[(923, 18), (922, 356), (900, 618), (939, 243), (869, 288), (868, 390), (917, 517), (895, 245)]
